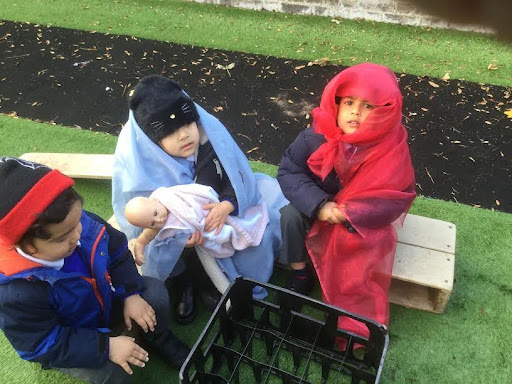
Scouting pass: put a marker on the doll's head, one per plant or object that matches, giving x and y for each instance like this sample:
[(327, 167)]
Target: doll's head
[(161, 110), (40, 212), (146, 212)]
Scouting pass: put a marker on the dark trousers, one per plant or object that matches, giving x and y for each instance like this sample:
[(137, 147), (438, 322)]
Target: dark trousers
[(294, 228), (156, 295)]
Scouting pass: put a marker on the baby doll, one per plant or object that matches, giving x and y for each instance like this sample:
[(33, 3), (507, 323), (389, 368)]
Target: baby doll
[(169, 211)]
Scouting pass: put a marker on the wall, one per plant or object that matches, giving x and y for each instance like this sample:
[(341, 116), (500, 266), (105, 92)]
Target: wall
[(389, 11)]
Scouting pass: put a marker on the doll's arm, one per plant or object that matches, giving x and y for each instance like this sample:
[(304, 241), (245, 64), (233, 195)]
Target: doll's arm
[(144, 239)]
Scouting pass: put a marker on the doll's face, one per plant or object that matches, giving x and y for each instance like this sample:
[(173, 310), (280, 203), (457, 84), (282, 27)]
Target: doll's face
[(183, 142), (146, 213), (63, 239), (352, 111)]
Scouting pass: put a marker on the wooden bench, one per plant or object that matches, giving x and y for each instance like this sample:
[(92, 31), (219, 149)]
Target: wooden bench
[(424, 266)]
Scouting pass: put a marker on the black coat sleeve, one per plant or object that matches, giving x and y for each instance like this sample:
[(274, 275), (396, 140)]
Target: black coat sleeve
[(299, 185), (226, 190)]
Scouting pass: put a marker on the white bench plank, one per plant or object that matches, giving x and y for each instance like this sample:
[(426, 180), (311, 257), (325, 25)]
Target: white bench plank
[(434, 269), (428, 233), (76, 165)]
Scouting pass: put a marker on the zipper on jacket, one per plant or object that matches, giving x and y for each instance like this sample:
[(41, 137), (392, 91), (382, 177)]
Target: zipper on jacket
[(217, 167), (92, 280)]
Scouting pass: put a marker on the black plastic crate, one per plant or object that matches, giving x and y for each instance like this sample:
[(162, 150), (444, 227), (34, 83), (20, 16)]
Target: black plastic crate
[(260, 341)]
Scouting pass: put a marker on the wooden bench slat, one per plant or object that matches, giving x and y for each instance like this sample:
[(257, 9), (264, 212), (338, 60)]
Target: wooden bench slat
[(76, 165), (428, 233), (423, 271)]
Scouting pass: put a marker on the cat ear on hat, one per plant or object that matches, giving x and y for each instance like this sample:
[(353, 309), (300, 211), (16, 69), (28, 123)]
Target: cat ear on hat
[(150, 89)]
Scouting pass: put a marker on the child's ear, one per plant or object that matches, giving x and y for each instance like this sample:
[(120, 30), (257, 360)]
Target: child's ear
[(28, 248)]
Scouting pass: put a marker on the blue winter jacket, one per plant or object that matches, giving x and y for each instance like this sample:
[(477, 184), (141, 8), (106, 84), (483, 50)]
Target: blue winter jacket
[(306, 191), (61, 319)]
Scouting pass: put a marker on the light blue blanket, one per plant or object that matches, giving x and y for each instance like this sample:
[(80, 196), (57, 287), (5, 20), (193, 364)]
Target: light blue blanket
[(141, 166)]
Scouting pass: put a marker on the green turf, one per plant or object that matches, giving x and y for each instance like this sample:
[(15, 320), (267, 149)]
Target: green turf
[(413, 50), (467, 344)]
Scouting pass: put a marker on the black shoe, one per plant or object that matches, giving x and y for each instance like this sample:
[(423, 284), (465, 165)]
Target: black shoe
[(171, 349), (302, 285), (210, 298), (185, 306)]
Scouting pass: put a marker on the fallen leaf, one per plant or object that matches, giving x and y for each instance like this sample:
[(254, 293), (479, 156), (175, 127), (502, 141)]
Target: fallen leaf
[(253, 149), (321, 62), (433, 84), (508, 112), (446, 76), (217, 109), (226, 67), (492, 67)]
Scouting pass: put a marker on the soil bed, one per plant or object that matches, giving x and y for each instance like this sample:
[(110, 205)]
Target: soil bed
[(460, 137)]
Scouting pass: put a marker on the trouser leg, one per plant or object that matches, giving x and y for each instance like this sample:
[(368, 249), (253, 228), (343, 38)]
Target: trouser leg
[(109, 373), (294, 228)]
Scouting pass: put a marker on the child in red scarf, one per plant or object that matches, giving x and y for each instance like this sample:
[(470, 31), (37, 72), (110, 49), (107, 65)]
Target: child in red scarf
[(349, 180)]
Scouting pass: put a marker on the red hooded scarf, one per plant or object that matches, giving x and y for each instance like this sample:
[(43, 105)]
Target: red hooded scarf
[(374, 167)]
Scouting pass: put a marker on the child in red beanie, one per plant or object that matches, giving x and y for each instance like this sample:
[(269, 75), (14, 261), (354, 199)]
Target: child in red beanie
[(67, 278), (349, 180)]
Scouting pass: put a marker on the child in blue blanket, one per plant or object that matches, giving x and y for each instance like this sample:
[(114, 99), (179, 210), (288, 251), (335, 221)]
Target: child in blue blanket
[(170, 140)]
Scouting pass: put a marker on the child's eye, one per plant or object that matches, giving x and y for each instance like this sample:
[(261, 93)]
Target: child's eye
[(348, 102), (369, 106)]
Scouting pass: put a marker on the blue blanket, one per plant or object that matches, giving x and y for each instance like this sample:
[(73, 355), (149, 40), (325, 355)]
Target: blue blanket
[(141, 166)]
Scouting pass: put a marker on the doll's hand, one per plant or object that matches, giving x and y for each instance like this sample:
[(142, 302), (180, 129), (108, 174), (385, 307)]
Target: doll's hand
[(124, 350), (330, 214), (138, 309), (139, 253), (195, 239), (217, 216)]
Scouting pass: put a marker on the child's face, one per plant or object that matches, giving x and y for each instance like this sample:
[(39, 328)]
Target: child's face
[(352, 111), (63, 240), (183, 142)]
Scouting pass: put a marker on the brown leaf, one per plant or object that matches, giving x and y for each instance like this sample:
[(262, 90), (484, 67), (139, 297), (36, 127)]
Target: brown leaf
[(321, 62), (253, 149), (433, 84)]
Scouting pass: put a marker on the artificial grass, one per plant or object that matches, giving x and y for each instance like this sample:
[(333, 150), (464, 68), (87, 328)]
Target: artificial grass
[(467, 344), (412, 50)]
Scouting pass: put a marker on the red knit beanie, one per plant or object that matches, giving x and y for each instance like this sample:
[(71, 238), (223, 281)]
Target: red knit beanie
[(26, 190)]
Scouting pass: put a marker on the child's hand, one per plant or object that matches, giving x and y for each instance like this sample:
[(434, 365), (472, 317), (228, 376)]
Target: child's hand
[(124, 350), (330, 214), (138, 309), (195, 239), (139, 253), (217, 216)]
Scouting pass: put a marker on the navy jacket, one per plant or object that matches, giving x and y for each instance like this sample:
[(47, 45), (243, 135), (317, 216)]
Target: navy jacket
[(61, 319), (210, 172), (306, 191)]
